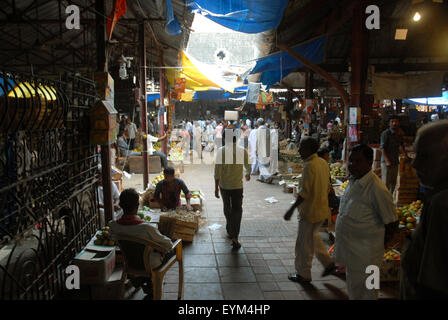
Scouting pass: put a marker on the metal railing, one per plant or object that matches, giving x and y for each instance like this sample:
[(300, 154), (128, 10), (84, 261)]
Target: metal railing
[(48, 180)]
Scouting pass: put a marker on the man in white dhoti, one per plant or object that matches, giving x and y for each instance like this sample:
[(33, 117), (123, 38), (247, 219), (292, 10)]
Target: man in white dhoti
[(263, 150), (252, 147), (367, 218), (273, 169)]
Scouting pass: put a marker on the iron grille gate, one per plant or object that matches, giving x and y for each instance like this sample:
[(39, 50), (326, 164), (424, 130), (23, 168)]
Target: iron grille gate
[(48, 182)]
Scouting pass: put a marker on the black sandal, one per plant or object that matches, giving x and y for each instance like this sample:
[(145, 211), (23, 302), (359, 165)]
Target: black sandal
[(236, 245)]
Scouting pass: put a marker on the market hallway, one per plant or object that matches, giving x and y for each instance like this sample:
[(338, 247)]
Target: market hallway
[(257, 271)]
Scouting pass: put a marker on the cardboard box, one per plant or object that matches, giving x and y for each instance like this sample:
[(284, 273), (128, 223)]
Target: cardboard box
[(95, 266), (111, 290)]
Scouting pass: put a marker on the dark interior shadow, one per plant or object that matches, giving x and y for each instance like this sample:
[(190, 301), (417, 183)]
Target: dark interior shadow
[(337, 291)]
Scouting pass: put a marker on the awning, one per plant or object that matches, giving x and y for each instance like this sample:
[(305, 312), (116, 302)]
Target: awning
[(152, 96), (437, 101), (201, 76), (275, 67), (244, 16), (217, 95)]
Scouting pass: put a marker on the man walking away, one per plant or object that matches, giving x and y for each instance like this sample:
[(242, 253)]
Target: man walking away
[(131, 130), (391, 145), (230, 160), (273, 169), (366, 222), (312, 202), (252, 148), (423, 263), (263, 150)]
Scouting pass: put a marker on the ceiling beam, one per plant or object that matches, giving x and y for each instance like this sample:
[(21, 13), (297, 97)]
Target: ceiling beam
[(302, 12)]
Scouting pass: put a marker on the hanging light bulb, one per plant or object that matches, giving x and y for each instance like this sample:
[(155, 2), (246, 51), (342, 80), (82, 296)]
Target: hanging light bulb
[(417, 17)]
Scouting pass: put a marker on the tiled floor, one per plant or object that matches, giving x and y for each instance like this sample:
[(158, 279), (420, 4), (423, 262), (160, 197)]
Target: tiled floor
[(259, 270)]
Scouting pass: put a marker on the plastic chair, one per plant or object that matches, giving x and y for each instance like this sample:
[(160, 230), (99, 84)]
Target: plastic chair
[(137, 252)]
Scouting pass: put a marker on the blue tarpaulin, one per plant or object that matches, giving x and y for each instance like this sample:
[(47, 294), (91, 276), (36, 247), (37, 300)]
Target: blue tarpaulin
[(172, 26), (217, 95), (248, 16), (11, 84), (276, 66), (152, 96)]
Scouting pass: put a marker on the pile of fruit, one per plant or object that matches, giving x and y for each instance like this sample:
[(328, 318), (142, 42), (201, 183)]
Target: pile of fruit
[(182, 215), (333, 180), (103, 238), (391, 255), (142, 216), (194, 194), (338, 172), (176, 155), (408, 213), (344, 185), (157, 179)]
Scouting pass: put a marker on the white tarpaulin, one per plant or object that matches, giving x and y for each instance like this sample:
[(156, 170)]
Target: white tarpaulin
[(402, 86)]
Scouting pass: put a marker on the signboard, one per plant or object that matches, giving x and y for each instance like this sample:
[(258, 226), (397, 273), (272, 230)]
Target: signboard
[(104, 84), (253, 91), (179, 85), (353, 133), (354, 115)]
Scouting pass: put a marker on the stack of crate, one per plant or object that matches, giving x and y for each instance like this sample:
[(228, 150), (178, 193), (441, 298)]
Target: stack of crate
[(408, 184)]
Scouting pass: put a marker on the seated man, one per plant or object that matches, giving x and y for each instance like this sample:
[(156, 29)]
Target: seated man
[(152, 152), (168, 191), (131, 225), (115, 197), (124, 147)]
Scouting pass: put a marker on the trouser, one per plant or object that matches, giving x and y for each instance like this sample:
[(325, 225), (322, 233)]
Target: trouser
[(255, 166), (389, 176), (233, 210), (264, 171), (356, 277), (163, 158), (308, 244), (273, 168), (131, 144)]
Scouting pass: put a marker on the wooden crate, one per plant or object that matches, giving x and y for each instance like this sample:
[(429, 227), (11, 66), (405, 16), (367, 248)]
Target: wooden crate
[(178, 229), (154, 164)]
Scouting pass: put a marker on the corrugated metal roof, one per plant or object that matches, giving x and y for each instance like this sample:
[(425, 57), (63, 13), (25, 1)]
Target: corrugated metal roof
[(28, 42)]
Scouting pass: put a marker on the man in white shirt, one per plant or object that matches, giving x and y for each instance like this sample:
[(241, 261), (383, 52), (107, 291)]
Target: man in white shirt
[(131, 225), (273, 169), (367, 219), (197, 142), (115, 197), (152, 151), (131, 130), (252, 148), (312, 202), (263, 150)]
